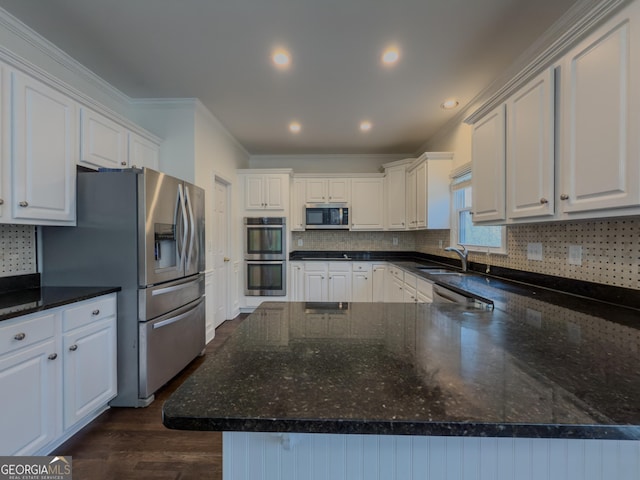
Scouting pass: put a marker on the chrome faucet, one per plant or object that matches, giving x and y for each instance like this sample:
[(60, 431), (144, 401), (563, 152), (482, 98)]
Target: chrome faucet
[(464, 253)]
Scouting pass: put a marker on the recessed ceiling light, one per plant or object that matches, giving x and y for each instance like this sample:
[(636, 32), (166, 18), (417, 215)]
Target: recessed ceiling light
[(390, 56), (294, 127), (281, 58), (365, 126), (449, 104)]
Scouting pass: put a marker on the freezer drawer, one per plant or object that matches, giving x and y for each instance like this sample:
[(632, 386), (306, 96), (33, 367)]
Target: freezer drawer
[(168, 344), (155, 301)]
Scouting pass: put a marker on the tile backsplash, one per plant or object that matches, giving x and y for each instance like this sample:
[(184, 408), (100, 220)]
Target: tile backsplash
[(610, 248), (17, 250)]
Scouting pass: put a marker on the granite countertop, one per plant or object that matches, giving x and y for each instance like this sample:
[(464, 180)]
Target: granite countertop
[(23, 295), (529, 368)]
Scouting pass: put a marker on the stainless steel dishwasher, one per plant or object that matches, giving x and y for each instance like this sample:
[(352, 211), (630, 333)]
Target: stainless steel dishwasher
[(444, 295)]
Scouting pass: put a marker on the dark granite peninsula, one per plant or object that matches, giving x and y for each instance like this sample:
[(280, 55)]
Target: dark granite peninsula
[(402, 380)]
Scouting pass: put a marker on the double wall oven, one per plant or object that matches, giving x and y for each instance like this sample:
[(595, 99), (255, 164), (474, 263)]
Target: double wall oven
[(265, 256)]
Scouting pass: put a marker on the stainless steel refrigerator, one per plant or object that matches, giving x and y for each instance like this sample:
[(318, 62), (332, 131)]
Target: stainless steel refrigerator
[(141, 230)]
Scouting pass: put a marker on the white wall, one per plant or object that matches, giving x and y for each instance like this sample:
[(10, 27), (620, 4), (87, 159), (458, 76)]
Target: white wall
[(173, 120), (337, 163)]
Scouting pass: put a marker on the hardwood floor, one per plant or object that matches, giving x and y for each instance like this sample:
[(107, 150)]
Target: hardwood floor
[(132, 443)]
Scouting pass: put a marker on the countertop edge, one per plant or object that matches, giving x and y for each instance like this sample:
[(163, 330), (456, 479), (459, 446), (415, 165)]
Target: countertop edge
[(452, 429)]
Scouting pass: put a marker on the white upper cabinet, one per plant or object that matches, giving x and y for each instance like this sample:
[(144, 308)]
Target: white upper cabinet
[(488, 163), (143, 153), (395, 186), (298, 192), (427, 191), (44, 139), (600, 111), (367, 203), (265, 191), (327, 190), (530, 149), (103, 142)]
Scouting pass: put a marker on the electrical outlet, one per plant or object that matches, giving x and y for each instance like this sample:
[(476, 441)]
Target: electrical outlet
[(394, 241), (575, 255), (440, 244), (300, 242), (534, 251)]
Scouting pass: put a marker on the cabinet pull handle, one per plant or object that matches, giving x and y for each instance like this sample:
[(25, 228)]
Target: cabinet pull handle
[(73, 347), (53, 356), (1, 201), (123, 163), (564, 196), (24, 204), (20, 336), (95, 312), (543, 201)]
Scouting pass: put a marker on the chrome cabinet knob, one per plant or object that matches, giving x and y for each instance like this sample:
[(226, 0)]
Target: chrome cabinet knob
[(24, 204), (20, 336), (564, 196), (124, 164), (1, 201), (73, 348), (543, 201), (53, 356), (95, 312)]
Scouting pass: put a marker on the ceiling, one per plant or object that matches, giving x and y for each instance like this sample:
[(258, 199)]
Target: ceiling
[(219, 51)]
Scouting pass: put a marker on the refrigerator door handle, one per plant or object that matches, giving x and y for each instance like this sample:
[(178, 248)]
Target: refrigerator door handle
[(192, 226), (185, 226)]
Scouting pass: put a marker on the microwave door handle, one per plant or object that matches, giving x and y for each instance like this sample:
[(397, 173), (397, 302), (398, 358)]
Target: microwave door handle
[(192, 226)]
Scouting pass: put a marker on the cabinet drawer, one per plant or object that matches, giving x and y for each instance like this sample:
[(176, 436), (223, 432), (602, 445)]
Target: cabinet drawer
[(425, 288), (361, 267), (88, 311), (397, 273), (339, 266), (24, 332)]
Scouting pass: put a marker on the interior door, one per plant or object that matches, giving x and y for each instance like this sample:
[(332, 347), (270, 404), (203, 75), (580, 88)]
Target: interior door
[(221, 253)]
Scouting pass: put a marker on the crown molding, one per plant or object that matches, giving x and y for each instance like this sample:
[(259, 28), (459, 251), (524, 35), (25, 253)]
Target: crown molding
[(579, 20), (54, 53)]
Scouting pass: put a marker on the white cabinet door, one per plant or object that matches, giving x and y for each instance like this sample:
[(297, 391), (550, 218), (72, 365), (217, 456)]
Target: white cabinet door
[(45, 125), (421, 195), (367, 204), (29, 382), (103, 143), (296, 282), (316, 191), (274, 192), (395, 185), (411, 199), (488, 157), (339, 286), (530, 149), (600, 163), (89, 369), (339, 190), (361, 282), (396, 290), (143, 153), (297, 204), (379, 284), (316, 276), (254, 192)]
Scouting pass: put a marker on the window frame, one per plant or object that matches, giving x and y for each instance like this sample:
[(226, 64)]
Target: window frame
[(461, 178)]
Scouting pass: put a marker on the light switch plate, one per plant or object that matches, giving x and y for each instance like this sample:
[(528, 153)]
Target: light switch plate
[(395, 241), (534, 251), (575, 255)]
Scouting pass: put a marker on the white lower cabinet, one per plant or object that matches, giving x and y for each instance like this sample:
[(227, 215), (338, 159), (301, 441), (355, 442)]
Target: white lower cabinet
[(379, 283), (296, 281), (327, 282), (57, 372), (362, 283)]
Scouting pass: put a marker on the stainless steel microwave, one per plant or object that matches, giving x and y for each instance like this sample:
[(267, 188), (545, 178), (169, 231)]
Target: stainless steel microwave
[(326, 216)]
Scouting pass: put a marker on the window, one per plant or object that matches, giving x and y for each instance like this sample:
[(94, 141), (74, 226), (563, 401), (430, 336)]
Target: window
[(479, 238)]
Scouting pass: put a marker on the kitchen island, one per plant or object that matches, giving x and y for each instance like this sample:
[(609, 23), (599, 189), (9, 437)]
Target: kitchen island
[(406, 390)]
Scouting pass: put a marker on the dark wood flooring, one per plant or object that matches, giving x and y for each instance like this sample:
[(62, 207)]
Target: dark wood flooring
[(132, 443)]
